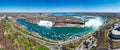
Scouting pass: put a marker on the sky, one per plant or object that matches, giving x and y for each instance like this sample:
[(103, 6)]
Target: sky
[(59, 5)]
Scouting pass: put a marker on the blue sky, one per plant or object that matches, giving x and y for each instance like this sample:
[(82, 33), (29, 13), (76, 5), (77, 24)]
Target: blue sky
[(59, 5)]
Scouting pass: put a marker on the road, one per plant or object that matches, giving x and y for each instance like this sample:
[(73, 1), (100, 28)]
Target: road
[(52, 46), (92, 43)]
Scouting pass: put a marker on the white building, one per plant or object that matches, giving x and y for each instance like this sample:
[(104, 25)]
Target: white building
[(115, 33)]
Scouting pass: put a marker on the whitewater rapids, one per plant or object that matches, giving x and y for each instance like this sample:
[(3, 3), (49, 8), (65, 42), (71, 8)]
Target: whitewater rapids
[(96, 22), (45, 23)]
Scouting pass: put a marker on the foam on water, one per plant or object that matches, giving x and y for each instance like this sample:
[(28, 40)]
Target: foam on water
[(96, 22), (62, 33), (45, 23)]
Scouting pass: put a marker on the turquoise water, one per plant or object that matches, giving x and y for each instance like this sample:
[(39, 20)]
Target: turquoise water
[(57, 33)]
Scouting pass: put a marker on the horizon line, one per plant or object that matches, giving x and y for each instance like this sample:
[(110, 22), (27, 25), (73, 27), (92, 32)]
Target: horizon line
[(59, 12)]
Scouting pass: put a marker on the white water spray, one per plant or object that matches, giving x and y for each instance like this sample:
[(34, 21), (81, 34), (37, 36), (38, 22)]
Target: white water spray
[(94, 22), (45, 23)]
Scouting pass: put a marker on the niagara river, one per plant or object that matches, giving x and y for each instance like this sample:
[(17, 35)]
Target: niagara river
[(64, 33)]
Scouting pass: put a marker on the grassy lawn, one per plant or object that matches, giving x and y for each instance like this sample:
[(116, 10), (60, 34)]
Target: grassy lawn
[(41, 38), (1, 48), (72, 46), (19, 41), (42, 47), (113, 19)]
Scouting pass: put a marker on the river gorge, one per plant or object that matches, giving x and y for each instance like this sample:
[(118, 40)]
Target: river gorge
[(64, 33)]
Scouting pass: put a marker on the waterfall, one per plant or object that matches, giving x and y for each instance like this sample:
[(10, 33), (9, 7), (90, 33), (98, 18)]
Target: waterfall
[(96, 22), (45, 23)]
